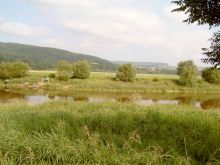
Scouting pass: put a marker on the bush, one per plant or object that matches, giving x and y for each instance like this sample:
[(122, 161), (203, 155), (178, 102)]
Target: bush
[(126, 73), (52, 75), (64, 66), (62, 76), (81, 70), (187, 71), (211, 75), (13, 70), (4, 73), (156, 79), (64, 70), (19, 69)]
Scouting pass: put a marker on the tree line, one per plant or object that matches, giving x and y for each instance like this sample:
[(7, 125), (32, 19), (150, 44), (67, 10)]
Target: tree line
[(186, 70)]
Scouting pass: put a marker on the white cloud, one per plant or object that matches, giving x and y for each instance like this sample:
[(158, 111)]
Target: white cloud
[(113, 22), (17, 28), (116, 26), (81, 3)]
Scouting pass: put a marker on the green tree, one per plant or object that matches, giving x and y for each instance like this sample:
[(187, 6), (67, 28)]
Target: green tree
[(211, 75), (81, 70), (13, 70), (64, 70), (63, 76), (187, 71), (64, 66), (213, 53), (126, 72), (204, 12), (18, 69), (4, 73)]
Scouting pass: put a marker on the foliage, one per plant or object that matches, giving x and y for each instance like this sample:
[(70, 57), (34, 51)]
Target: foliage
[(211, 75), (52, 75), (213, 53), (62, 76), (64, 132), (204, 12), (13, 70), (187, 71), (126, 72), (43, 58), (81, 70), (64, 70), (64, 66)]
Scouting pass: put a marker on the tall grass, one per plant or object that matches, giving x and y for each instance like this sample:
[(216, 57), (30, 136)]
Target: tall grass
[(64, 132)]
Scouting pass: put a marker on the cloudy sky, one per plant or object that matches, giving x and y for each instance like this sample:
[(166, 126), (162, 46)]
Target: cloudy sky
[(131, 30)]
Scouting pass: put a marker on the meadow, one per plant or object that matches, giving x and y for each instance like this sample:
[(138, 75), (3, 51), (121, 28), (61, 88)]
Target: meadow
[(106, 82), (64, 132)]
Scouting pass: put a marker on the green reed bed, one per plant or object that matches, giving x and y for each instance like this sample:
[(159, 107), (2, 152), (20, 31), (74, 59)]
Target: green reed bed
[(64, 132)]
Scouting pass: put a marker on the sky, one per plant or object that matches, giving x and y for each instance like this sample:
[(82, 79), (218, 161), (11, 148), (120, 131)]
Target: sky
[(116, 30)]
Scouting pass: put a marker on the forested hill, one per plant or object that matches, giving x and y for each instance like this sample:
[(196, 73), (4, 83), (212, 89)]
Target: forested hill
[(47, 58)]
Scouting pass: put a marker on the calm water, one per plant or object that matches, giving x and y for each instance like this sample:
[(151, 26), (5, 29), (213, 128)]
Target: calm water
[(201, 101)]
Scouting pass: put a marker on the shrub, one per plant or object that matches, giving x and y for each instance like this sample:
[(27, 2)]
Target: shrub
[(81, 70), (52, 75), (4, 73), (19, 69), (187, 71), (13, 70), (156, 79), (64, 70), (64, 66), (126, 73), (63, 76), (211, 75)]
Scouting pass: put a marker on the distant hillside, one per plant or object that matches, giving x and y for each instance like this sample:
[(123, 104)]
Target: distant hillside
[(47, 58), (144, 64)]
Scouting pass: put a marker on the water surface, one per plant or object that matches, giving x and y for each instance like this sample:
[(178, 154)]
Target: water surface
[(35, 98)]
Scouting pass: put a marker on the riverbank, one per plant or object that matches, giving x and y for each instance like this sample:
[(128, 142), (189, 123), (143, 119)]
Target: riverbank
[(105, 82), (64, 132)]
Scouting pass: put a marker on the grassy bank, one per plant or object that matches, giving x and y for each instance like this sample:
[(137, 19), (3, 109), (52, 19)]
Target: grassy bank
[(110, 133), (145, 83), (105, 82)]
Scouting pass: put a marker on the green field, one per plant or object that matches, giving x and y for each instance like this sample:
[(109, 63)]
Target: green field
[(101, 74), (64, 132), (106, 82)]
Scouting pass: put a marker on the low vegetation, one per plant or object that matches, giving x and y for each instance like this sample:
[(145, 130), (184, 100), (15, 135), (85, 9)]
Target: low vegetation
[(211, 75)]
